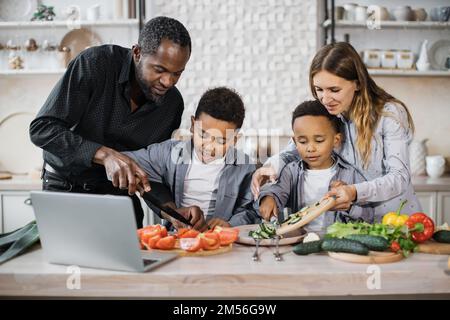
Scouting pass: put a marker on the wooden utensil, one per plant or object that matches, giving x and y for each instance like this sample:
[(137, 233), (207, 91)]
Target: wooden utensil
[(200, 253), (311, 213), (434, 247), (374, 257)]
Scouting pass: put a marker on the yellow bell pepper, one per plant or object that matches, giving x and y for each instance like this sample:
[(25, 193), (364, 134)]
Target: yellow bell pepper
[(395, 218)]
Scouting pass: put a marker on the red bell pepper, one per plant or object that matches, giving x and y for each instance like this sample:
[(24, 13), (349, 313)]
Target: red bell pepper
[(421, 227)]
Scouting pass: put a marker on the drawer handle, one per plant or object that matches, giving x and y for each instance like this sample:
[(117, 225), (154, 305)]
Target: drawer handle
[(28, 201)]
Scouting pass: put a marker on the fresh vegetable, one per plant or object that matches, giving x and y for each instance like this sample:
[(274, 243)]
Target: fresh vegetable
[(396, 219), (265, 231), (209, 241), (375, 243), (156, 237), (389, 232), (151, 242), (442, 236), (227, 235), (295, 217), (344, 245), (166, 243), (190, 233), (308, 247), (191, 244), (395, 246), (421, 227)]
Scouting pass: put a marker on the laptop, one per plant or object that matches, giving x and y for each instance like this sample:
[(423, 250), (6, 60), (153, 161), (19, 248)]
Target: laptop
[(96, 231)]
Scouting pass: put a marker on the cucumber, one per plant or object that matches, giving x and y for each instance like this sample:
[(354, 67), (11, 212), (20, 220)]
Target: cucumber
[(442, 236), (375, 243), (307, 248), (295, 220), (344, 245)]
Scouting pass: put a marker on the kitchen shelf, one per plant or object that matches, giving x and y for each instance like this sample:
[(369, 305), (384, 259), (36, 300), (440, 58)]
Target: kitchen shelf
[(408, 73), (390, 24), (31, 72), (70, 23)]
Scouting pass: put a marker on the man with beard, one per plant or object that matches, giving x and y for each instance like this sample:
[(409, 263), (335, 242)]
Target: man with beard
[(112, 99)]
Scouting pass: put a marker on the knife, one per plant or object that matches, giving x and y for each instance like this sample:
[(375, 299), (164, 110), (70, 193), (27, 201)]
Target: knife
[(168, 210)]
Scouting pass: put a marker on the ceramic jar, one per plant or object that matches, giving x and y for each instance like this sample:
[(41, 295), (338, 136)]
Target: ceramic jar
[(435, 166), (372, 58)]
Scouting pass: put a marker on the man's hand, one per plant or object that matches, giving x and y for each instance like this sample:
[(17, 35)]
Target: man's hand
[(268, 208), (260, 177), (345, 195), (218, 222), (123, 171), (195, 216)]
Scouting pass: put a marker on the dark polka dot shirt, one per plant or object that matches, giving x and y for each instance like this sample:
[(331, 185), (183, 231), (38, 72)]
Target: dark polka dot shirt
[(90, 107)]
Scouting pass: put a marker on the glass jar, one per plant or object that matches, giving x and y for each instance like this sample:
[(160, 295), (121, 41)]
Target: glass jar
[(15, 59), (31, 54), (49, 53)]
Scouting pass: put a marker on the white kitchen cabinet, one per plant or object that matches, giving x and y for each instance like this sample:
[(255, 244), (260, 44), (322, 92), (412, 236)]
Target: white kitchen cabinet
[(436, 204), (428, 200), (15, 213), (443, 207)]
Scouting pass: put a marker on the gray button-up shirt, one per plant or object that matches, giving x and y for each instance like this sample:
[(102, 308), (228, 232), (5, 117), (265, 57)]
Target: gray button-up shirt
[(289, 192), (388, 174), (168, 162)]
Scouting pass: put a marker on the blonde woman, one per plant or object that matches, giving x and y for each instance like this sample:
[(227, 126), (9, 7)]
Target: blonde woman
[(378, 130)]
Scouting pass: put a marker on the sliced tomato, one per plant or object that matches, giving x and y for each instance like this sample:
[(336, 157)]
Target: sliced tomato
[(163, 231), (153, 241), (219, 229), (191, 244), (181, 231), (149, 233), (210, 241), (191, 233), (166, 243), (227, 237)]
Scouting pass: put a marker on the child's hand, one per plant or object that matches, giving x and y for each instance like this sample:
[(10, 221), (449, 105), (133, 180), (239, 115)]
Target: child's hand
[(268, 208), (218, 222)]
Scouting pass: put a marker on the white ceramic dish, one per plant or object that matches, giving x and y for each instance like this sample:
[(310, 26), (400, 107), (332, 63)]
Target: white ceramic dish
[(438, 53), (79, 39), (290, 238)]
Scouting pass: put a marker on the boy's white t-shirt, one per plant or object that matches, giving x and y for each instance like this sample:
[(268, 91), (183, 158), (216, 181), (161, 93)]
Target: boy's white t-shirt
[(201, 184), (316, 185)]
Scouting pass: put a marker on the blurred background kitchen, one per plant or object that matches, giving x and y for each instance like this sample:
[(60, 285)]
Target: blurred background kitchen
[(262, 48)]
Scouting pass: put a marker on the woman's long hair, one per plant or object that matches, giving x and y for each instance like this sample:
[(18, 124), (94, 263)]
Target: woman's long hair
[(342, 60)]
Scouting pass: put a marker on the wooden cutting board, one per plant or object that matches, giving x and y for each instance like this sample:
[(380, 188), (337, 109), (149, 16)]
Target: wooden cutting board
[(374, 257), (434, 247), (200, 253), (309, 215)]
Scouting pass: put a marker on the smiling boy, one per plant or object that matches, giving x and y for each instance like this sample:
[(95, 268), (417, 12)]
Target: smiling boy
[(316, 134), (206, 174)]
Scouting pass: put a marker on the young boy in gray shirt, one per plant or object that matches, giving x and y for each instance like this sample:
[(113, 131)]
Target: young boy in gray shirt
[(306, 181), (207, 172)]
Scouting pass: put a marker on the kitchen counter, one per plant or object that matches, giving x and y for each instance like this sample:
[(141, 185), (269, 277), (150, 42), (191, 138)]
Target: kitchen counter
[(232, 274), (20, 183), (423, 183)]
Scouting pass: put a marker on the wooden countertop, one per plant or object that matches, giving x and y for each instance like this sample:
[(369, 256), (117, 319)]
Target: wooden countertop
[(231, 274)]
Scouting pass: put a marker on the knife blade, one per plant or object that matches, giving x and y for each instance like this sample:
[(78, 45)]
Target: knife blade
[(168, 210)]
